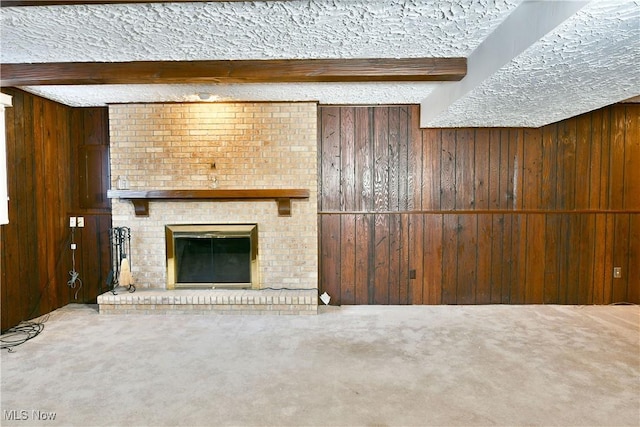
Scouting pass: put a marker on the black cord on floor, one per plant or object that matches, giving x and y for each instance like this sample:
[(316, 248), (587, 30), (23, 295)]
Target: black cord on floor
[(26, 330), (21, 333)]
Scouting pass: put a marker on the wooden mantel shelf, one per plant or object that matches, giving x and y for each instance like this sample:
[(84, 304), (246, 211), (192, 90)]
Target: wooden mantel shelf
[(140, 199)]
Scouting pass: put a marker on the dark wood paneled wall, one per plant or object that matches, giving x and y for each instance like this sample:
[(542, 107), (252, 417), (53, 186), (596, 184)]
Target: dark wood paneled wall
[(43, 150), (478, 216), (90, 169)]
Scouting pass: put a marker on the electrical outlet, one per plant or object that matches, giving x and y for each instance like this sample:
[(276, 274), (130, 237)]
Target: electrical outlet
[(72, 221), (617, 272), (80, 221)]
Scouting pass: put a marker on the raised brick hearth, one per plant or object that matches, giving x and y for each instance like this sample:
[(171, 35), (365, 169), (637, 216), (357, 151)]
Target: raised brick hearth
[(213, 301)]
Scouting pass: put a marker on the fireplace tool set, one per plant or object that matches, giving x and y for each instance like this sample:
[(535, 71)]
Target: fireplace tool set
[(120, 274)]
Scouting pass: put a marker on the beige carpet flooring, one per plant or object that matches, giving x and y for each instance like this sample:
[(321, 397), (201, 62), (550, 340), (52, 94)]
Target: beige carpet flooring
[(348, 366)]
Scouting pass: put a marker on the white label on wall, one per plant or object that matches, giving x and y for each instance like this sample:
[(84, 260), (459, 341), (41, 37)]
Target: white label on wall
[(5, 101)]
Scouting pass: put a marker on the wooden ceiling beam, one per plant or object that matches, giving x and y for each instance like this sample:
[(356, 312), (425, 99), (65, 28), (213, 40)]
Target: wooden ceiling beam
[(241, 71)]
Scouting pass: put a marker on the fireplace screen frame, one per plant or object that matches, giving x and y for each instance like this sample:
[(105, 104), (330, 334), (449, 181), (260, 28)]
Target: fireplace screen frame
[(212, 231)]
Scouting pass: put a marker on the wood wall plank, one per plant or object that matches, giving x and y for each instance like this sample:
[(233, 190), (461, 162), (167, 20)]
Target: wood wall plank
[(466, 276), (27, 210), (448, 170), (57, 129), (595, 165), (464, 169), (329, 252), (632, 160), (93, 162), (495, 168), (395, 279), (482, 169), (586, 260), (605, 162), (535, 260), (620, 257), (599, 247), (609, 245), (404, 189), (450, 259), (497, 258), (549, 167), (617, 146), (484, 278), (516, 168), (573, 262), (330, 159), (583, 160), (432, 247), (363, 161), (42, 211), (504, 178), (347, 259), (415, 181), (404, 296), (393, 143), (532, 169), (431, 155), (418, 257), (633, 290), (568, 138), (517, 283), (347, 159), (381, 160), (553, 239), (102, 231), (362, 277), (89, 128), (381, 259)]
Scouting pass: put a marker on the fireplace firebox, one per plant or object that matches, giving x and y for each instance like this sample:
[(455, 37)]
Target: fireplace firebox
[(212, 256)]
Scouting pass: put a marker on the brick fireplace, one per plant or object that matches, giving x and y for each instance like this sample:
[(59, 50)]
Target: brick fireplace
[(224, 146)]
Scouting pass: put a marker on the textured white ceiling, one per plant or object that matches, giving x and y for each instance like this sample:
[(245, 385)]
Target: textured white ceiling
[(589, 61), (248, 30)]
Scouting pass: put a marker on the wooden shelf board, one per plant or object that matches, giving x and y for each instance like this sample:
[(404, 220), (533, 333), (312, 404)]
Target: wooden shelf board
[(141, 198)]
